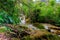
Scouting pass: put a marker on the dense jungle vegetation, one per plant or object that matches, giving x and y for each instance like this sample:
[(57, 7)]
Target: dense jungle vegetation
[(36, 12)]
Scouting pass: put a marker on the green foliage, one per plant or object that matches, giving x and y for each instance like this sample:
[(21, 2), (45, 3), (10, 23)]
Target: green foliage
[(26, 38), (45, 37), (42, 12), (4, 29), (51, 37), (9, 11), (38, 25)]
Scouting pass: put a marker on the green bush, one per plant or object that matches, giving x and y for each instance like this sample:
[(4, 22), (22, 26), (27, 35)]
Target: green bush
[(9, 12), (46, 13), (42, 12)]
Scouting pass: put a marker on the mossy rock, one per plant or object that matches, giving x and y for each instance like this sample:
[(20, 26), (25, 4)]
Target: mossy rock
[(3, 29), (45, 37), (38, 25), (15, 38)]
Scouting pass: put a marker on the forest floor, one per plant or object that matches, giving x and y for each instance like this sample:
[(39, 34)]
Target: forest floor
[(3, 37), (33, 33)]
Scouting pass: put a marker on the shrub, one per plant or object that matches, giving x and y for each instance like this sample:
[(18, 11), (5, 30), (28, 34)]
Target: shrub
[(9, 11)]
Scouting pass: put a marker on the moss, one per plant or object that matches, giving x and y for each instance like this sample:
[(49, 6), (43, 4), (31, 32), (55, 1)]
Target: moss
[(50, 37), (2, 29), (38, 25), (44, 37), (26, 38), (15, 39)]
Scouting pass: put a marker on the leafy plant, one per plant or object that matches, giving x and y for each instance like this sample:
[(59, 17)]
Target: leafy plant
[(9, 12)]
